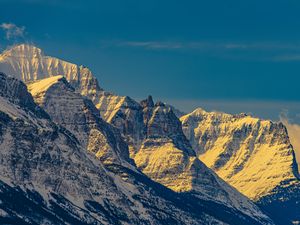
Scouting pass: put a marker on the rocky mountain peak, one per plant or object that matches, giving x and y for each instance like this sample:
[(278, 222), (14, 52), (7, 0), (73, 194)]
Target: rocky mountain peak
[(147, 102), (29, 63)]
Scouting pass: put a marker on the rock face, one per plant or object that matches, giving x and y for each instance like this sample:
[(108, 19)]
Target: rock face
[(254, 156), (44, 169)]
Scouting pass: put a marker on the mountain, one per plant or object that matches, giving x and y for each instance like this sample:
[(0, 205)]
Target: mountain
[(44, 169), (72, 103), (152, 131), (254, 156)]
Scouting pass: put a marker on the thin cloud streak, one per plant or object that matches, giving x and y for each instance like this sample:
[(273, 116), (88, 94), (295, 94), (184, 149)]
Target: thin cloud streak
[(204, 45), (268, 51), (152, 45)]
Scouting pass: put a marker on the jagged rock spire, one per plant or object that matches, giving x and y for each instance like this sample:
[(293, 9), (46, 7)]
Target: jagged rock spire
[(147, 102)]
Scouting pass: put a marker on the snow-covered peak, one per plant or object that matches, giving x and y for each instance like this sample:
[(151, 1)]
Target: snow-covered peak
[(29, 63), (23, 51), (164, 152)]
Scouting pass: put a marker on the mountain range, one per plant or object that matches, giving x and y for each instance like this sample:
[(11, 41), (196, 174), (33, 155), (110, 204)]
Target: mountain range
[(77, 154)]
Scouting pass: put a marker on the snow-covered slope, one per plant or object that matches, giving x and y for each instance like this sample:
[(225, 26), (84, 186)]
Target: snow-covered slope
[(255, 156)]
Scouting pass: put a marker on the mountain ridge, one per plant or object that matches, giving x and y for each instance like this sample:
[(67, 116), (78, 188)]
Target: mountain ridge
[(145, 129), (50, 98), (60, 183)]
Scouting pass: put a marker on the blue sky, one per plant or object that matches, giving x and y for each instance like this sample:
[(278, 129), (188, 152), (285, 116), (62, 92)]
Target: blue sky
[(222, 55)]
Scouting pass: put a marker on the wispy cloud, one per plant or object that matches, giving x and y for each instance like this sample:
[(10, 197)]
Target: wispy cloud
[(262, 51), (153, 44), (206, 45), (12, 31), (173, 45)]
